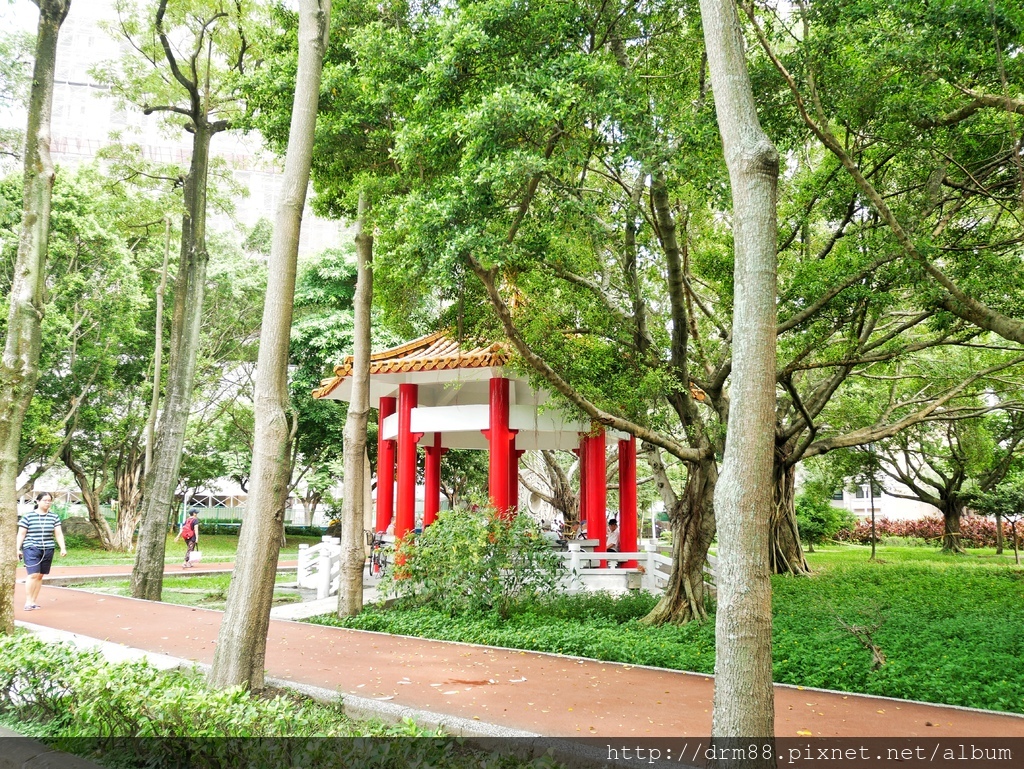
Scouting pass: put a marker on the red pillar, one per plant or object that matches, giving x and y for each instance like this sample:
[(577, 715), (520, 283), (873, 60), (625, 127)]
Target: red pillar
[(499, 440), (385, 467), (432, 481), (627, 498), (597, 489), (405, 512)]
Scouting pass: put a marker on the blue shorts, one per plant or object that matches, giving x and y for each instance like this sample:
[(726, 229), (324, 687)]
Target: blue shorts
[(37, 560)]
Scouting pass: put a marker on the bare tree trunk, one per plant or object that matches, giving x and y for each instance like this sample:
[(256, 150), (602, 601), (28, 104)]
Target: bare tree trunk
[(787, 554), (242, 642), (19, 369), (744, 498), (162, 478), (693, 529), (129, 494), (353, 549), (91, 490), (310, 501), (563, 498), (158, 350), (952, 513), (999, 534)]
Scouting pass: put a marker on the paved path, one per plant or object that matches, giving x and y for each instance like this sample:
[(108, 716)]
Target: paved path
[(543, 694)]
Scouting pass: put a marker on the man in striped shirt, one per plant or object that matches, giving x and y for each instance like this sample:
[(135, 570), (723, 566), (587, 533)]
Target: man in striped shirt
[(37, 531)]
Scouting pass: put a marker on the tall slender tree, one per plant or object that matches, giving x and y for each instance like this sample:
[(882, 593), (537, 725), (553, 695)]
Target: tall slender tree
[(188, 59), (744, 697), (242, 642), (350, 588), (19, 368)]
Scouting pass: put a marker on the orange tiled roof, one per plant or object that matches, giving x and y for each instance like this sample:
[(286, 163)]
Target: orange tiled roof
[(436, 352)]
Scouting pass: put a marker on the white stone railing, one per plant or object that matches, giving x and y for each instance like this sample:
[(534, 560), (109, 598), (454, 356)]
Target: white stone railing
[(320, 567), (651, 573)]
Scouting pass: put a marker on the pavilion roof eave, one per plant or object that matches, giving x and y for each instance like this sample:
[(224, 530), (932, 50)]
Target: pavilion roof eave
[(433, 359), (386, 384)]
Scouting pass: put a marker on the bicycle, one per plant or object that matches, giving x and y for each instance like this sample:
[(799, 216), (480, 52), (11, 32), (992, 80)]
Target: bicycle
[(378, 553)]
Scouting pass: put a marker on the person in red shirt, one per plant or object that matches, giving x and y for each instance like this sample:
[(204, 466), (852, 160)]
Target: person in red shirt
[(190, 533)]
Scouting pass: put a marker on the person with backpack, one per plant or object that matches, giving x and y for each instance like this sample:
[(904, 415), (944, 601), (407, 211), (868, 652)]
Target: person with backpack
[(190, 533)]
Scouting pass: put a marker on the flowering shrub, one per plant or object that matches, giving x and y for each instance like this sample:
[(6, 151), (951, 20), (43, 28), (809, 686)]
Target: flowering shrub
[(975, 530), (473, 562)]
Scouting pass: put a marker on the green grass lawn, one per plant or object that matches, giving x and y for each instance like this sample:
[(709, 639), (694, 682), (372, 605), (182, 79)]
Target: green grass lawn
[(948, 627), (208, 591), (214, 547)]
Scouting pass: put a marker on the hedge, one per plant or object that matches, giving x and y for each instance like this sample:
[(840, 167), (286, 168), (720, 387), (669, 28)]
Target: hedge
[(975, 530)]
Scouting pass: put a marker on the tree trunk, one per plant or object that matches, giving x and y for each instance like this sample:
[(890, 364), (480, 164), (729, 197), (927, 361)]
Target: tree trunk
[(129, 495), (19, 369), (242, 642), (952, 512), (158, 350), (310, 502), (787, 555), (693, 529), (162, 478), (999, 534), (353, 549), (744, 498), (90, 496), (563, 497)]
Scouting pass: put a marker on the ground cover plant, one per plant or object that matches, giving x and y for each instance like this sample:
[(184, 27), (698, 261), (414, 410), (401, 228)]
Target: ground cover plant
[(130, 714), (916, 625)]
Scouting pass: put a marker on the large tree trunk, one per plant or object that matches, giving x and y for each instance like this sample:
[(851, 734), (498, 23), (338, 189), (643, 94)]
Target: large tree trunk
[(353, 549), (242, 642), (693, 529), (952, 513), (787, 554), (19, 369), (744, 498), (162, 478)]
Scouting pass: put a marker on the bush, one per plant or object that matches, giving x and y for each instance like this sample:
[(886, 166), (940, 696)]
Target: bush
[(819, 520), (58, 684), (303, 531), (77, 702), (469, 561), (975, 530)]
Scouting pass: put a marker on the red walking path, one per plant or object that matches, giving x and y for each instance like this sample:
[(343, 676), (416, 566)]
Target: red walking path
[(542, 694)]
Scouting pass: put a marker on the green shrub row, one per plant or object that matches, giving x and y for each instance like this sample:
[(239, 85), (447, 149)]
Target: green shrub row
[(130, 714), (975, 531), (948, 634)]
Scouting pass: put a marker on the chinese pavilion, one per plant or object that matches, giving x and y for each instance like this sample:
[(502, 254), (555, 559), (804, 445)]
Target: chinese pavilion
[(433, 393)]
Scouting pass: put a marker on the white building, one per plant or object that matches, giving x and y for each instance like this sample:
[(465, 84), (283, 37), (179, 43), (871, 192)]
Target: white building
[(859, 499)]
